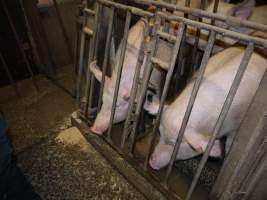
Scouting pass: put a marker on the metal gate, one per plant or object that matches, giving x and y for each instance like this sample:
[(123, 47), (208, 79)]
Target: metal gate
[(125, 138)]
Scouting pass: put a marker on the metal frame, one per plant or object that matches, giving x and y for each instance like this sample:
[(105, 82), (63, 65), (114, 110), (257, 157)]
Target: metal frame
[(133, 114)]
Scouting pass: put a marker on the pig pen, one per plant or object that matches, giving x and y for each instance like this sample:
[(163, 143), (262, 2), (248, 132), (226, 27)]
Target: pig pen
[(129, 144)]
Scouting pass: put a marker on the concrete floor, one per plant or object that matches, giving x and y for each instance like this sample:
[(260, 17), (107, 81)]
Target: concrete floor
[(58, 169)]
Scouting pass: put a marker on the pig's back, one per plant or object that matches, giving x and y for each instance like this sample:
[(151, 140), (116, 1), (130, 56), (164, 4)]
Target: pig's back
[(215, 86)]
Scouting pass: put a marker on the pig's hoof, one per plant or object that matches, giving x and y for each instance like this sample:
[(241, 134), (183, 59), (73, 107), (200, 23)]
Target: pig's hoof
[(95, 131)]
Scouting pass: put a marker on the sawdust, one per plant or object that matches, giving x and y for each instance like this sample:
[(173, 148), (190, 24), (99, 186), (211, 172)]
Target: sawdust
[(72, 136)]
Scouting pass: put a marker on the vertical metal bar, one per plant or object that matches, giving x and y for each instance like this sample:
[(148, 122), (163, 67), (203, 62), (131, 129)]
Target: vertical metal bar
[(62, 26), (194, 64), (95, 50), (190, 104), (215, 9), (175, 51), (106, 56), (120, 66), (9, 75), (24, 56), (147, 72), (80, 71), (91, 57), (133, 94), (228, 102)]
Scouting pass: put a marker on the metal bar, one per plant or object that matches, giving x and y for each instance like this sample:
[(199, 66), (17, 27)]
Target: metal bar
[(105, 63), (92, 90), (89, 11), (88, 31), (133, 10), (147, 72), (80, 70), (141, 56), (62, 26), (167, 36), (224, 32), (120, 66), (11, 80), (223, 114), (201, 13), (160, 63), (175, 51), (24, 56), (215, 9), (92, 49), (190, 105)]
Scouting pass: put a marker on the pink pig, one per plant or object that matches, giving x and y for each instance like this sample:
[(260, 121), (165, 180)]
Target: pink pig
[(213, 90), (134, 41)]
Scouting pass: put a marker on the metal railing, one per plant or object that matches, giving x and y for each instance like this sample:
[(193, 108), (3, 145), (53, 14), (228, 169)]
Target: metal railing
[(129, 132)]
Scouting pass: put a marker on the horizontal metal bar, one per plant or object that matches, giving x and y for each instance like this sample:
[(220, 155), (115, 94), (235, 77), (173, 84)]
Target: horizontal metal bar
[(166, 36), (190, 104), (88, 31), (160, 63), (224, 32), (226, 106), (89, 11), (201, 13), (133, 10)]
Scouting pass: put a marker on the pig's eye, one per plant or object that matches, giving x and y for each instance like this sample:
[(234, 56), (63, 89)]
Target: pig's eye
[(149, 97)]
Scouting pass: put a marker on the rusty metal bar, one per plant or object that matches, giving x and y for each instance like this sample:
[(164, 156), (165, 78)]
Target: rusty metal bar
[(11, 80), (175, 51), (224, 32), (190, 105), (92, 51), (120, 68), (228, 102), (133, 10), (62, 26), (146, 77), (201, 13), (24, 56), (89, 11), (133, 94), (167, 36), (105, 63)]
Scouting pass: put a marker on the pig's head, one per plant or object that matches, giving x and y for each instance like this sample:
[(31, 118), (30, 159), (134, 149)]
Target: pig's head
[(103, 117), (193, 144)]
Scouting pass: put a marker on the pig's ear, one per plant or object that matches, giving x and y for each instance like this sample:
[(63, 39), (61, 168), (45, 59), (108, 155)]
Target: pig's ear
[(199, 142), (96, 71), (243, 10)]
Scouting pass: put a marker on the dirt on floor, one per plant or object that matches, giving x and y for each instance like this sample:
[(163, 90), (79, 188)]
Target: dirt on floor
[(59, 164)]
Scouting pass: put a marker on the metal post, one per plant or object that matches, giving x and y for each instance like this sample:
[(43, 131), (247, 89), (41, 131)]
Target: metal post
[(223, 114), (190, 105), (135, 84), (175, 51), (11, 80), (120, 68), (105, 63), (62, 26), (24, 56), (92, 51), (147, 72)]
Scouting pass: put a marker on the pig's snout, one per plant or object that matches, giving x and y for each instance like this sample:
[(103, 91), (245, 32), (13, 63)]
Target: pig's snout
[(153, 163), (96, 130)]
